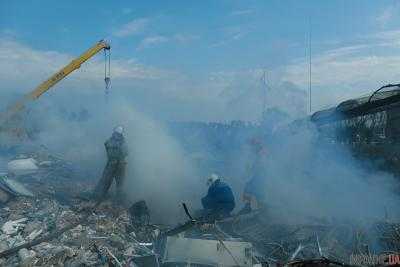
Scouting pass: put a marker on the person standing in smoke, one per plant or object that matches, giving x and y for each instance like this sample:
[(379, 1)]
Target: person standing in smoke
[(253, 192), (116, 163)]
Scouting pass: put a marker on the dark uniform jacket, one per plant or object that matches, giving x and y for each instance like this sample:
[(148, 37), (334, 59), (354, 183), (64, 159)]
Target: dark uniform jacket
[(219, 198), (116, 148)]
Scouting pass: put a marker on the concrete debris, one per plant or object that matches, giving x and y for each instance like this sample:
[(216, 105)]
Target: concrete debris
[(148, 261), (389, 235), (109, 237), (27, 257), (105, 228), (139, 213), (22, 166), (5, 195), (313, 243), (14, 187), (10, 188), (105, 236), (114, 235), (12, 227), (34, 234), (208, 252)]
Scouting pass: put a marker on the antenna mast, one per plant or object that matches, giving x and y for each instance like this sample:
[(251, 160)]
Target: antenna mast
[(309, 67), (264, 90)]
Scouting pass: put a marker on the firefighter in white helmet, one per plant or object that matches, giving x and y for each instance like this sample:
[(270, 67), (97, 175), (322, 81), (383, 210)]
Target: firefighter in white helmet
[(116, 163)]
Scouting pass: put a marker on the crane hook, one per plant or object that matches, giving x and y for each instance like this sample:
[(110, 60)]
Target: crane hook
[(107, 71)]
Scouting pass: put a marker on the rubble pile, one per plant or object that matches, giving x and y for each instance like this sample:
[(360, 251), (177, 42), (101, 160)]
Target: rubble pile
[(54, 178), (50, 221), (389, 235), (336, 241), (59, 211), (106, 234)]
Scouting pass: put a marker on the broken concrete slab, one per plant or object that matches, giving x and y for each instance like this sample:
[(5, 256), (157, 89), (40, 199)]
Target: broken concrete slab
[(22, 166), (12, 227), (27, 257), (207, 252), (10, 188), (34, 234), (15, 187)]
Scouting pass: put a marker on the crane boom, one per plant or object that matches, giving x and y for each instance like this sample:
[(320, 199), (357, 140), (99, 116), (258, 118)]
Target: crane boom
[(74, 65), (55, 78)]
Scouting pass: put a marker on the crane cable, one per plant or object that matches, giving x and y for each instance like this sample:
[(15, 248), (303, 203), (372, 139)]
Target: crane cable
[(107, 71)]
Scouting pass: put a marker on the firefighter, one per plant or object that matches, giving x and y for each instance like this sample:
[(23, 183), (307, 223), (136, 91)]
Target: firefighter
[(117, 152), (219, 201), (254, 189)]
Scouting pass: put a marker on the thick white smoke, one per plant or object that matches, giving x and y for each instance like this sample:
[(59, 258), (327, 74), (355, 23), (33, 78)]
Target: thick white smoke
[(308, 178), (157, 169)]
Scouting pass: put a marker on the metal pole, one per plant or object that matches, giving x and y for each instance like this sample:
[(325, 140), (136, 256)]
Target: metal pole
[(309, 67)]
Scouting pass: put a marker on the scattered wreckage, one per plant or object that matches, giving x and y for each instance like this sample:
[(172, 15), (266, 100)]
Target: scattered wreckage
[(46, 233), (40, 231), (40, 228), (44, 221)]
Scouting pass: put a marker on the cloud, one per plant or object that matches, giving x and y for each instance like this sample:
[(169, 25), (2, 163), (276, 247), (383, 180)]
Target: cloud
[(235, 32), (338, 74), (152, 41), (20, 59), (231, 34), (166, 94), (386, 15), (185, 38), (339, 70), (386, 38), (160, 39), (158, 92), (36, 65), (349, 71), (242, 12), (133, 27)]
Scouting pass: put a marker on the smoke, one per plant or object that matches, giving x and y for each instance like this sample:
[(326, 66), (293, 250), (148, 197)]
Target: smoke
[(3, 165), (157, 170), (304, 177), (308, 178)]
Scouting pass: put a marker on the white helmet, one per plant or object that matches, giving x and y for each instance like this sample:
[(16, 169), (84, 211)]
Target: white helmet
[(119, 129), (212, 179)]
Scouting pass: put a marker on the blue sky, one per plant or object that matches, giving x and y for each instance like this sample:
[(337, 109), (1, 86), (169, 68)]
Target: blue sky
[(240, 34), (227, 42)]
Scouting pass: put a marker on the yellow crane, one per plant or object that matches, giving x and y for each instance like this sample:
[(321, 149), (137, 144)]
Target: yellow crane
[(55, 78)]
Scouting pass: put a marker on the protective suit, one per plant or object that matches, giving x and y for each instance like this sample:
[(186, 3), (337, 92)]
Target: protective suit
[(254, 191), (219, 201), (116, 163)]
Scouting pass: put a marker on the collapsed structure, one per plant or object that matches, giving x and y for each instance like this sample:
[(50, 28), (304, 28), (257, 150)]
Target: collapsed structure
[(370, 125), (379, 112), (48, 220), (59, 226)]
